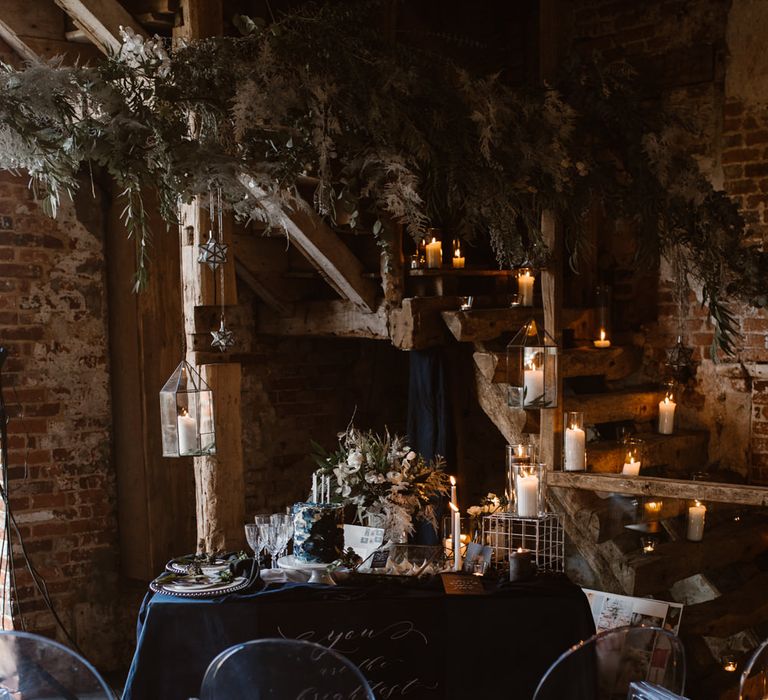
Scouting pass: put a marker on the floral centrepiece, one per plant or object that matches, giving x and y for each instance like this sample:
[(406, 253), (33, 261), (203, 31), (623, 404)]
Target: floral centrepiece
[(386, 483)]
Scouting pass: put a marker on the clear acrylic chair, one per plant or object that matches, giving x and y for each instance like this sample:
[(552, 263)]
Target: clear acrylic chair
[(282, 668), (754, 678), (34, 667), (603, 666)]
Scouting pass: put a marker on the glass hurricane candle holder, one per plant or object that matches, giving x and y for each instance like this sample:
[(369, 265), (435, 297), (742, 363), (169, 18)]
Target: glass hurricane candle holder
[(633, 457), (532, 357), (574, 442), (186, 414), (648, 544), (516, 454), (528, 481), (526, 277), (434, 249)]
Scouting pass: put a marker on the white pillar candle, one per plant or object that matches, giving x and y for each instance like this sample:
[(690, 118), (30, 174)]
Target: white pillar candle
[(696, 515), (458, 260), (631, 468), (525, 288), (533, 381), (667, 416), (434, 254), (187, 434), (314, 487), (528, 496), (456, 537), (575, 449)]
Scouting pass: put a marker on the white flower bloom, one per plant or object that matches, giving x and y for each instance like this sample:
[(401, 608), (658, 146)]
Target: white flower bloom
[(394, 477), (410, 456), (474, 511), (355, 460)]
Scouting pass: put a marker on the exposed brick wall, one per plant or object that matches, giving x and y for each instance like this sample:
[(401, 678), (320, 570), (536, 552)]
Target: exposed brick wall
[(300, 389), (53, 323), (682, 48)]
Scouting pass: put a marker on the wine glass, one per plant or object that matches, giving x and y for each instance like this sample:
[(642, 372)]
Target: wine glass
[(253, 537), (280, 531), (262, 520)]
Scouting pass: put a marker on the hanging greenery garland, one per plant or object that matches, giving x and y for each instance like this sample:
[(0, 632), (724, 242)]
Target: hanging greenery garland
[(383, 131)]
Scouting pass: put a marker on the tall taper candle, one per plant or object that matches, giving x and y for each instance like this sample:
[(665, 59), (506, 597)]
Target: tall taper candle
[(456, 530)]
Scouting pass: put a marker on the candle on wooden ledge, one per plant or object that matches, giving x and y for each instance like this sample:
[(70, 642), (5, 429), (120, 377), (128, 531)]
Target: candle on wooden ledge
[(649, 544), (525, 280), (667, 415), (631, 467), (603, 342), (457, 261), (696, 516), (575, 442), (187, 433), (434, 254)]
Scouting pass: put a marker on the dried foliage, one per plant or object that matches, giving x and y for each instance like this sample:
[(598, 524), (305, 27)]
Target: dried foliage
[(385, 131)]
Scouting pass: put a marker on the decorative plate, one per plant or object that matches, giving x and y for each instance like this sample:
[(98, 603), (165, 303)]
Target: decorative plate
[(190, 586), (292, 564), (179, 565)]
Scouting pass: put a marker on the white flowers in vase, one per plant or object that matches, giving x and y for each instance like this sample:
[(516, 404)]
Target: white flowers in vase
[(388, 484)]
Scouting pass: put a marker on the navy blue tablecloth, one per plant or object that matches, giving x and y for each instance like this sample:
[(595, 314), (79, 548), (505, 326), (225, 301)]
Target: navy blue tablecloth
[(417, 644)]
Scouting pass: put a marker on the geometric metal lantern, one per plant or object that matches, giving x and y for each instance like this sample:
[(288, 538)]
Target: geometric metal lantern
[(532, 368), (186, 414)]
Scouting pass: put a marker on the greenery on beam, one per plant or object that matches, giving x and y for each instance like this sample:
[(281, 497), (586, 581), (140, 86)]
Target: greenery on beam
[(383, 130)]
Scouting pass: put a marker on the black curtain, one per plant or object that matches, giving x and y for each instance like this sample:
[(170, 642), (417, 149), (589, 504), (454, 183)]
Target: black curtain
[(429, 422)]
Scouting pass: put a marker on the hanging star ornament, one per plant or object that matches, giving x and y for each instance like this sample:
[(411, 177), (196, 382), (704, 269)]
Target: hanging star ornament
[(680, 362), (212, 253), (223, 339)]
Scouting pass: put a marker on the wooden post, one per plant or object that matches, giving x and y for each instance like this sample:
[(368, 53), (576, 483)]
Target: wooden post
[(551, 278), (219, 479)]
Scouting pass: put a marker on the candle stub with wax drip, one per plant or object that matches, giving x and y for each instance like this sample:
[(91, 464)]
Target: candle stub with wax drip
[(603, 342)]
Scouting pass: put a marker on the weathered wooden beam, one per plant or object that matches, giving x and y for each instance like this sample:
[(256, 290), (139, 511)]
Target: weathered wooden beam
[(199, 18), (684, 451), (101, 21), (261, 263), (417, 324), (662, 488), (613, 363), (19, 45), (322, 247), (220, 478), (333, 318), (480, 325), (728, 543), (624, 405)]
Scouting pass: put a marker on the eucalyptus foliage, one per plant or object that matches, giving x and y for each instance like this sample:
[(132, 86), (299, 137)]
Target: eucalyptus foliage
[(383, 130)]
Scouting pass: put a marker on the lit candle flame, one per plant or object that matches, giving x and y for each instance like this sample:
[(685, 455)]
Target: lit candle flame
[(520, 550), (453, 506), (434, 240), (457, 254), (453, 480), (519, 450), (602, 334)]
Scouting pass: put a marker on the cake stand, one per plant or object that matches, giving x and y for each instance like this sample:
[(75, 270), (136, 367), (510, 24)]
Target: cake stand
[(318, 573)]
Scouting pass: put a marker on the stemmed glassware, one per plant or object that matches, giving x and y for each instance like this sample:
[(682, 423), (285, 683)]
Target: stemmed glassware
[(280, 532), (254, 538)]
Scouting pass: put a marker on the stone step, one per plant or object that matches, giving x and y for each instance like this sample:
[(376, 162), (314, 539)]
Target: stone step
[(632, 404)]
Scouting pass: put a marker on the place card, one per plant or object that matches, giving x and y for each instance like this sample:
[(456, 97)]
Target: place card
[(379, 559), (458, 584)]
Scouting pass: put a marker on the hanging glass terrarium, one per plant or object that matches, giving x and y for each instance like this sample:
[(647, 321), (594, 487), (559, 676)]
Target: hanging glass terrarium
[(186, 414), (532, 368)]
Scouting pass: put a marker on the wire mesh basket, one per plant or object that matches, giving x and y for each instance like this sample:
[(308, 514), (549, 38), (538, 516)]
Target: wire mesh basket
[(544, 536)]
